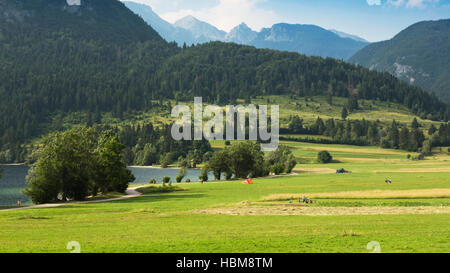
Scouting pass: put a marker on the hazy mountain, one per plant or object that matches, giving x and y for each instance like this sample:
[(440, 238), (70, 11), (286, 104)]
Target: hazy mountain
[(202, 31), (241, 34), (419, 55), (307, 39), (346, 35), (165, 29)]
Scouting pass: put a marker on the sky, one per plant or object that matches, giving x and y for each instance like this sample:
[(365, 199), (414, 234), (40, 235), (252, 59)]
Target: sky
[(373, 20)]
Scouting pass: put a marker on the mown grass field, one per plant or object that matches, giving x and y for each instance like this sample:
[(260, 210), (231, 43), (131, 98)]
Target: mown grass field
[(226, 216)]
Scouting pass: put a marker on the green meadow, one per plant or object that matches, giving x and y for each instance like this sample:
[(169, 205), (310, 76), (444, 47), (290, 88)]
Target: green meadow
[(348, 211)]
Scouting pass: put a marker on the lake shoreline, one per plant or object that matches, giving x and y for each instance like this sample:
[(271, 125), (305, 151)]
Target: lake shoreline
[(160, 168), (14, 164)]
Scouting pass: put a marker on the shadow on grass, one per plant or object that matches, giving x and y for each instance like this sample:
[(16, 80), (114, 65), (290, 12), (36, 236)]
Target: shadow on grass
[(136, 200), (159, 197)]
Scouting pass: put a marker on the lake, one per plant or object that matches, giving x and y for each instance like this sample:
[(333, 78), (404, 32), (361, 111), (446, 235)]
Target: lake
[(13, 181)]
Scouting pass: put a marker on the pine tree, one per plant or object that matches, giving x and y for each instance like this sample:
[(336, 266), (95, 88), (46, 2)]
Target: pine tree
[(415, 124), (404, 139), (344, 113), (352, 104), (393, 135), (432, 130)]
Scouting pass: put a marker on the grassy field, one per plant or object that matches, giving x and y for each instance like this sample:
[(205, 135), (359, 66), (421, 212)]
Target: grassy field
[(350, 210)]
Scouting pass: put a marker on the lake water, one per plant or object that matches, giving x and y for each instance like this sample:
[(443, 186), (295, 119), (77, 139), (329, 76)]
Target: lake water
[(13, 181)]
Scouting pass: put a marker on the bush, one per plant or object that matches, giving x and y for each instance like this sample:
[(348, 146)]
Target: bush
[(427, 147), (204, 175), (166, 179), (277, 168), (324, 157), (228, 175), (183, 163), (152, 181), (158, 189), (207, 156), (281, 160), (181, 175), (165, 161)]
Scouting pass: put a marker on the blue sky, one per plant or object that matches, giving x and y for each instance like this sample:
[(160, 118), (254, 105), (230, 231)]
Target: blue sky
[(373, 20)]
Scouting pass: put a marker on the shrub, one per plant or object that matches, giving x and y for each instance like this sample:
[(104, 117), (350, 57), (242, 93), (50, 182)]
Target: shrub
[(183, 163), (228, 175), (166, 179), (427, 147), (181, 175), (165, 161), (152, 181), (281, 160), (324, 157), (207, 156), (277, 168), (204, 175)]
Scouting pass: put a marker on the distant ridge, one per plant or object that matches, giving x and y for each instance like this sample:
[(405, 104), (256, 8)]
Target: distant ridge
[(419, 55), (346, 35), (305, 39)]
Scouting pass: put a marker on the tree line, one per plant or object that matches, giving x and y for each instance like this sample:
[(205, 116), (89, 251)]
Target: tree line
[(363, 132), (146, 145)]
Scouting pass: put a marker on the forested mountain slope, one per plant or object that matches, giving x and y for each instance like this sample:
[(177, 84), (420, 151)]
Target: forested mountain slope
[(419, 55), (222, 72), (101, 57), (98, 56)]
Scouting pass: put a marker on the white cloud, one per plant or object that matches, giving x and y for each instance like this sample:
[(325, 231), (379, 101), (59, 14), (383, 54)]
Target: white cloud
[(228, 14), (419, 3), (374, 2), (411, 3), (396, 3)]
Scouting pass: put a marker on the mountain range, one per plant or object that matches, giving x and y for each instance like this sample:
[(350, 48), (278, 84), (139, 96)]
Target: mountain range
[(419, 55), (310, 40)]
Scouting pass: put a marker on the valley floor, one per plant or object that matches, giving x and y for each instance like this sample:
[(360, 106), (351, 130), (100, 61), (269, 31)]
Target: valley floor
[(349, 210)]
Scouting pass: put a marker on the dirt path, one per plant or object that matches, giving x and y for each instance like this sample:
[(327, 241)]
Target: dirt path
[(130, 193)]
